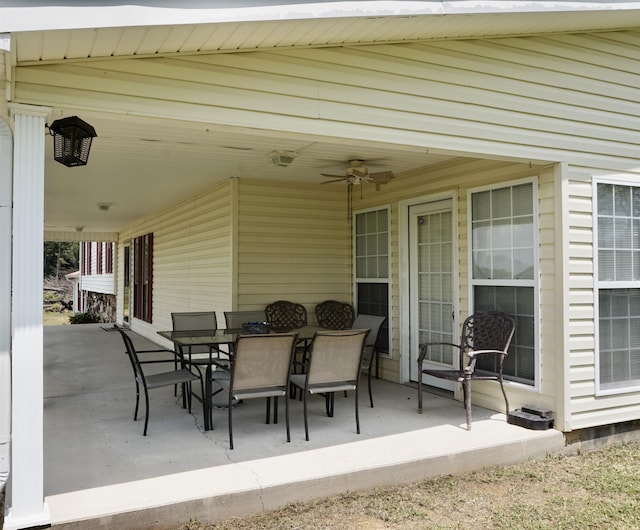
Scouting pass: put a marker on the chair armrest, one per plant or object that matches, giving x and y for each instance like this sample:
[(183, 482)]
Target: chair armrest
[(424, 347), (155, 361), (474, 354), (478, 353)]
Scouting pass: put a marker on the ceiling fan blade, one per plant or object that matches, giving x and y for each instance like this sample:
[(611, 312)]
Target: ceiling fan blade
[(381, 177), (336, 180), (333, 176)]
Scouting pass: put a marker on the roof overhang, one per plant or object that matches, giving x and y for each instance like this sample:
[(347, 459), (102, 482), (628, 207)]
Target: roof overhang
[(70, 30)]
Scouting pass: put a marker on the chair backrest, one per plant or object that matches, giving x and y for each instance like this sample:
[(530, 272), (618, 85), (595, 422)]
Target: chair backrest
[(195, 321), (371, 322), (133, 356), (492, 330), (332, 314), (235, 319), (262, 361), (286, 315), (336, 356)]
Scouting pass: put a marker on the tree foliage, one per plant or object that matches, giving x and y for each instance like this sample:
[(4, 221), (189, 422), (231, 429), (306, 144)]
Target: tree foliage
[(60, 258)]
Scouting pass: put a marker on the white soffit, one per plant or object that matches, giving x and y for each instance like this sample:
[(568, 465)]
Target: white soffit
[(67, 32)]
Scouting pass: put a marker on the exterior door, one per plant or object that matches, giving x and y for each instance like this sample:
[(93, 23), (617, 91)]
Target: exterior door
[(431, 286)]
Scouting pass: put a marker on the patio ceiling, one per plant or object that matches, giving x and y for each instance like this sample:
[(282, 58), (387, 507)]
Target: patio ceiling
[(140, 165)]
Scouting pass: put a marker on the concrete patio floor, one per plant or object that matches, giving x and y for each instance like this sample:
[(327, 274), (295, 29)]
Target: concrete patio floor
[(100, 472)]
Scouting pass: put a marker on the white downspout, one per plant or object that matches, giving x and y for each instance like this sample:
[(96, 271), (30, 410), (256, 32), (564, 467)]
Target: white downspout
[(6, 158)]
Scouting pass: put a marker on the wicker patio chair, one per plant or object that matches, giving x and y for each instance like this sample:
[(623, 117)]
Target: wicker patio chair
[(333, 366), (261, 369), (332, 314), (483, 335)]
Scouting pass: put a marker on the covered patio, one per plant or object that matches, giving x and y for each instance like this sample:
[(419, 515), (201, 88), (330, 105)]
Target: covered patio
[(100, 470)]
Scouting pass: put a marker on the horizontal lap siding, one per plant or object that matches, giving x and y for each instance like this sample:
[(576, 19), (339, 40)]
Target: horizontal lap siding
[(581, 331), (585, 408), (192, 258), (571, 97), (293, 243)]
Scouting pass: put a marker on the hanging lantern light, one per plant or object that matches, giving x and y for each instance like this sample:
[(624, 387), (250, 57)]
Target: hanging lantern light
[(72, 141)]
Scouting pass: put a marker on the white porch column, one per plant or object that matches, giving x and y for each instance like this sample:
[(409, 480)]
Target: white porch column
[(27, 506), (6, 174)]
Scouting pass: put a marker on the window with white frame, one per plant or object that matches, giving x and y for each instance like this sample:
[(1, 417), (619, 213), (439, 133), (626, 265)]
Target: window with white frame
[(618, 285), (371, 235), (504, 269)]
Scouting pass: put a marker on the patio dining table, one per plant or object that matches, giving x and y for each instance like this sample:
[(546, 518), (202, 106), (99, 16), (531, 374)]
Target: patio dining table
[(184, 339)]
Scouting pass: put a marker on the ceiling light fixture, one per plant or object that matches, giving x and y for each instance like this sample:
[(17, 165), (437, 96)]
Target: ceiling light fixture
[(282, 158), (71, 141), (104, 206)]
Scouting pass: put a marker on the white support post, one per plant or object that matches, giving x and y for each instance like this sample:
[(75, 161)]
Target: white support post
[(27, 506), (6, 159)]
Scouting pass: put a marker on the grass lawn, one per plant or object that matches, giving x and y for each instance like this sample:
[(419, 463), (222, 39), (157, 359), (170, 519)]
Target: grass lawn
[(55, 318), (593, 490)]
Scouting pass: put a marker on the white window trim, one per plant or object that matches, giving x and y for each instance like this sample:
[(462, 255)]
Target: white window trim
[(535, 387), (386, 280), (597, 285)]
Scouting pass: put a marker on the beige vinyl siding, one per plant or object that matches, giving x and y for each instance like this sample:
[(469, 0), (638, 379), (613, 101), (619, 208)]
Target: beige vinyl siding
[(191, 257), (586, 409), (293, 243), (559, 98), (459, 176)]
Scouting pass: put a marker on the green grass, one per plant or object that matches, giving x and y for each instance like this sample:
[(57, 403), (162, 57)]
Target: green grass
[(592, 490)]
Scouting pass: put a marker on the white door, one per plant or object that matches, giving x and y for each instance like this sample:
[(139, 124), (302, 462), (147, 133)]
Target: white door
[(431, 245)]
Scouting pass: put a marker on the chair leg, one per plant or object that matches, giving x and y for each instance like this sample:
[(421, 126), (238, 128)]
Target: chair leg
[(286, 414), (419, 389), (230, 418), (369, 383), (329, 403), (268, 419), (357, 412), (275, 409), (466, 390), (135, 412), (306, 422), (504, 394), (146, 415)]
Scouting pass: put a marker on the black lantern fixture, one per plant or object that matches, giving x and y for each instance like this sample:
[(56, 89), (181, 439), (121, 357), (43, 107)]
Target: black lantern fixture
[(72, 141)]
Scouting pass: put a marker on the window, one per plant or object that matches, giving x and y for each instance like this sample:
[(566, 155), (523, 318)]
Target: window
[(99, 257), (372, 268), (504, 269), (109, 258), (618, 286), (142, 277)]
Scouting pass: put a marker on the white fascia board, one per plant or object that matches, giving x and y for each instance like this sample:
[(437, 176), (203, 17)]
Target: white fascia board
[(42, 18)]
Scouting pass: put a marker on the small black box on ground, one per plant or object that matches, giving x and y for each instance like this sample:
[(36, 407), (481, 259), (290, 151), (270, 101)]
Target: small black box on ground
[(531, 417)]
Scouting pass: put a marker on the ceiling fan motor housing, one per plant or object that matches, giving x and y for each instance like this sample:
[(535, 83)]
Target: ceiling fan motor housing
[(357, 172)]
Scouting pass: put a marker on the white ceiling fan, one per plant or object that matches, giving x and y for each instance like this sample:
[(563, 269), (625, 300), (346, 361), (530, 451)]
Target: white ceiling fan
[(358, 173)]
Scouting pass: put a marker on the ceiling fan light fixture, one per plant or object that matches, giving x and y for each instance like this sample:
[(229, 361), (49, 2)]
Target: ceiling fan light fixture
[(282, 158)]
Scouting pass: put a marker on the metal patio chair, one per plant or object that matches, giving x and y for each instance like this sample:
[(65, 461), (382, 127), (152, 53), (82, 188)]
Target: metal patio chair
[(235, 319), (332, 314), (261, 369), (179, 376), (483, 335), (286, 315), (373, 324), (333, 365)]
